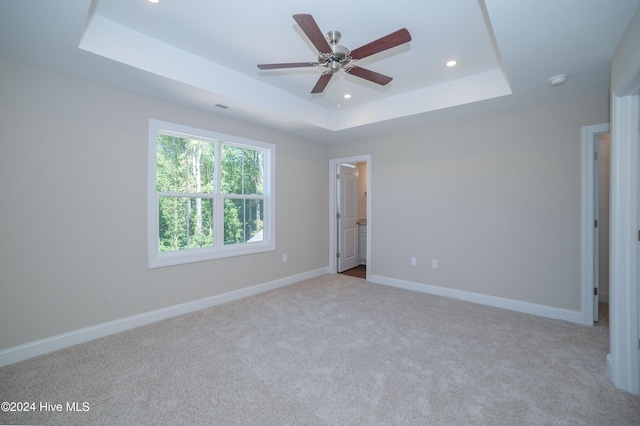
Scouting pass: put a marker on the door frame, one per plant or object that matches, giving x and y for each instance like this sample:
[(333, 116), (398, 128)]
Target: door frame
[(589, 243), (623, 360), (333, 223)]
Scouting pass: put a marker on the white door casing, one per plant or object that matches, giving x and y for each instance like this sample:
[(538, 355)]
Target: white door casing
[(347, 217), (624, 357)]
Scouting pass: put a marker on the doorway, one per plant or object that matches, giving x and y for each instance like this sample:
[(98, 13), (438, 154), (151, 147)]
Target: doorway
[(592, 213), (348, 216), (601, 250), (352, 227)]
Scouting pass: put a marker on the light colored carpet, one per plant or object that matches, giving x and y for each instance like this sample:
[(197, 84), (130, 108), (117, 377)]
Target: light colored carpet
[(334, 350)]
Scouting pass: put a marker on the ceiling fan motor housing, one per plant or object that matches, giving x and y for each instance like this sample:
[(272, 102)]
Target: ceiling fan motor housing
[(339, 56)]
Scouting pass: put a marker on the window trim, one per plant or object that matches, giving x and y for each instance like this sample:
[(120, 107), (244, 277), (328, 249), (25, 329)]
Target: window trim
[(155, 257)]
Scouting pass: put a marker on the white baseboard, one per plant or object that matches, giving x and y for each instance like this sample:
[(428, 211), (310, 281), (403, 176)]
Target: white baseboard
[(603, 296), (498, 302), (60, 341)]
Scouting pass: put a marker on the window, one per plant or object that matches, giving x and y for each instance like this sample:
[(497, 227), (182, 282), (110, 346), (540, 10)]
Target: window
[(210, 195)]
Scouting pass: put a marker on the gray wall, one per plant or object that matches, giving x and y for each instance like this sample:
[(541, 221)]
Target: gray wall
[(73, 183), (495, 199), (624, 64)]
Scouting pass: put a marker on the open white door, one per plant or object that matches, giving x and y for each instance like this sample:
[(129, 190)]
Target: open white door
[(638, 241), (347, 216), (590, 215), (596, 231)]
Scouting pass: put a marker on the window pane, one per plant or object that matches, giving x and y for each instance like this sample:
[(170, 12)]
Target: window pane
[(243, 221), (242, 170), (185, 223), (253, 172), (231, 170), (184, 164)]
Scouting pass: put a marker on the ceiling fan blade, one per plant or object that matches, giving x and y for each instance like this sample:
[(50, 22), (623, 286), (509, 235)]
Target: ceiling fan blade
[(311, 29), (372, 76), (287, 65), (322, 83), (387, 42)]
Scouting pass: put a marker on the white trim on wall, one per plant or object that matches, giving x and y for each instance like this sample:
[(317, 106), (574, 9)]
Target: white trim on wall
[(603, 297), (64, 340), (623, 358), (483, 299)]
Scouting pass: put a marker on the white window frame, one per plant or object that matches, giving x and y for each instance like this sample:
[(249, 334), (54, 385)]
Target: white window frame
[(159, 259)]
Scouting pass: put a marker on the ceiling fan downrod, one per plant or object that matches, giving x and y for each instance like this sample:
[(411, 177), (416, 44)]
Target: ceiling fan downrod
[(339, 57)]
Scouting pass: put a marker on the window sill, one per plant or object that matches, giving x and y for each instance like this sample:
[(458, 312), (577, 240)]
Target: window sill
[(200, 255)]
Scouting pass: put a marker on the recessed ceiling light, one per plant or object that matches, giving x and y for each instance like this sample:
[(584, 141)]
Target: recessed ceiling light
[(154, 1), (347, 96), (451, 63)]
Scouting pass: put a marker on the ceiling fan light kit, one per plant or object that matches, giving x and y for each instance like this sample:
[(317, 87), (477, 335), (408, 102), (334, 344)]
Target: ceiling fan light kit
[(335, 57)]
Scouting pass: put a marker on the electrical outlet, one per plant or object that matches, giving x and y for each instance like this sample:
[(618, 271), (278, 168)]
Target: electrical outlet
[(284, 258), (413, 261), (434, 263)]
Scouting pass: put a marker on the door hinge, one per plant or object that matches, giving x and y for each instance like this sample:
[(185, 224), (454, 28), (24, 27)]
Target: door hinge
[(595, 155), (595, 223), (595, 291), (338, 255), (338, 176), (338, 215)]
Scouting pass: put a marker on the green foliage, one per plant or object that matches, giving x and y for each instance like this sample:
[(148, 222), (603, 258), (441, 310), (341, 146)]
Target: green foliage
[(178, 223), (243, 220), (184, 165), (187, 166), (242, 171)]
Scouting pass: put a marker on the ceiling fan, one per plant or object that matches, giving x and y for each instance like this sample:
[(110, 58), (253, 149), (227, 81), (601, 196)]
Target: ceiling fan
[(334, 57)]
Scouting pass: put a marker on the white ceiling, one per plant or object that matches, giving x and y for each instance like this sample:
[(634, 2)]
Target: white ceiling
[(200, 53)]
